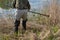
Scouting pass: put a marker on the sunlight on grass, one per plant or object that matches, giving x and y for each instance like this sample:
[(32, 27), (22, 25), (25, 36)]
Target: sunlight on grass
[(55, 29)]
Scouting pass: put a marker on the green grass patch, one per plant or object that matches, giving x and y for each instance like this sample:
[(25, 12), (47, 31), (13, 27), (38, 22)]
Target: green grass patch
[(38, 33), (50, 37), (55, 29)]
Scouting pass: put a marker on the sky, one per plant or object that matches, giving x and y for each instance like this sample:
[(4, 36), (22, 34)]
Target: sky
[(37, 3)]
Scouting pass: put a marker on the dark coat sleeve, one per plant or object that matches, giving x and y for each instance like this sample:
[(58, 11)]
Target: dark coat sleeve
[(14, 3), (28, 4)]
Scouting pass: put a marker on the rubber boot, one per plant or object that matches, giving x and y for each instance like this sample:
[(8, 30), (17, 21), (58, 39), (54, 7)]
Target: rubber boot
[(16, 26), (24, 24)]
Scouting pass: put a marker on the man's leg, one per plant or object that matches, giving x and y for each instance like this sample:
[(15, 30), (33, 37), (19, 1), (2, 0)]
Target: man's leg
[(24, 19), (16, 25), (17, 21), (24, 24)]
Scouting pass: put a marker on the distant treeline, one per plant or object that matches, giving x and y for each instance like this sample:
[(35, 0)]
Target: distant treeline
[(3, 3)]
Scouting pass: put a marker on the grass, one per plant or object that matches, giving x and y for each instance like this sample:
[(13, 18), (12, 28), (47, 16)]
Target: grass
[(55, 29), (40, 20), (38, 33), (50, 37)]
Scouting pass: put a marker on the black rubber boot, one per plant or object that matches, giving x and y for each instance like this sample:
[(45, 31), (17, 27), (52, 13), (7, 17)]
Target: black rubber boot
[(16, 26), (24, 24)]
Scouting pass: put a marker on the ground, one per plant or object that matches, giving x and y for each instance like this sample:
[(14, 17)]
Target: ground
[(35, 31)]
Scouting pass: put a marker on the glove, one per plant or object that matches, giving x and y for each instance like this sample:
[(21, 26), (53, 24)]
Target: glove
[(14, 6)]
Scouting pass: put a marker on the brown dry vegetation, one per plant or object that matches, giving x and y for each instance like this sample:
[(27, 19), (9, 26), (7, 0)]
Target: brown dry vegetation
[(38, 28)]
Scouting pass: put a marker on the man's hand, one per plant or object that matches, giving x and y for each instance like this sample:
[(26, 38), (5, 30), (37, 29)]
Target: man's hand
[(13, 5), (14, 2)]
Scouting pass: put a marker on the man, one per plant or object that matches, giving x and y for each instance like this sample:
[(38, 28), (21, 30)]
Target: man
[(23, 7)]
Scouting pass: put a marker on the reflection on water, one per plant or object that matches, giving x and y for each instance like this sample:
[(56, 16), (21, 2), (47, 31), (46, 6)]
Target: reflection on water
[(7, 13), (11, 13)]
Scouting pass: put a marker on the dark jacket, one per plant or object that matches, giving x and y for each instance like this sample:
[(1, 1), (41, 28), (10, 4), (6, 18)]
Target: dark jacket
[(21, 4)]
